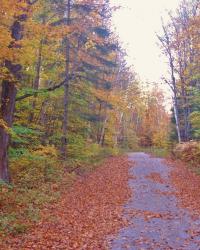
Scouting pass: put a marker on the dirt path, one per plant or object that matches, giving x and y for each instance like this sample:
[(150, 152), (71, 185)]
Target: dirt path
[(155, 219)]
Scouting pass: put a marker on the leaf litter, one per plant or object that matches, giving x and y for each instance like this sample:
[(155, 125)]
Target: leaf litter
[(88, 212)]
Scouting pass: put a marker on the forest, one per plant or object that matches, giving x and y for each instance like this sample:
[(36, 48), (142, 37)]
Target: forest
[(179, 42), (69, 101), (67, 93)]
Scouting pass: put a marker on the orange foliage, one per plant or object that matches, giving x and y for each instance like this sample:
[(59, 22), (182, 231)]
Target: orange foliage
[(86, 214)]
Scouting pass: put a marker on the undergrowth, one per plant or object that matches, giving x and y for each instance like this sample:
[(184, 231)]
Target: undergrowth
[(38, 178), (189, 153)]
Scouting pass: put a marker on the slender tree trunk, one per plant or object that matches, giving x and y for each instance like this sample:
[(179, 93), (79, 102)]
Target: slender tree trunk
[(166, 42), (66, 87), (182, 66), (98, 126), (175, 106), (37, 80), (102, 135), (185, 113), (118, 129), (175, 102)]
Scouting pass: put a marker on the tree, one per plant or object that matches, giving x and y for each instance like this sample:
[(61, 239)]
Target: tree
[(179, 42), (9, 89), (166, 45)]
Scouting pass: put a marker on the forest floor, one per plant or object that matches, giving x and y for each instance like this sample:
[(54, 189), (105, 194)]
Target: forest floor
[(87, 212), (135, 202)]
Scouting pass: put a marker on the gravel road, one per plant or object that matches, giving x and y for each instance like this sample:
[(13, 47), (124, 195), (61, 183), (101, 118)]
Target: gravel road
[(155, 221)]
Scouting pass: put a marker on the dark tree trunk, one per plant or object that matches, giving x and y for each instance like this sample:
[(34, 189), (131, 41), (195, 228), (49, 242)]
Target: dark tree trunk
[(7, 109), (8, 97), (99, 126), (102, 135)]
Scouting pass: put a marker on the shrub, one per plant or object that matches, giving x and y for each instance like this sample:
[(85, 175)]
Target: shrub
[(188, 152)]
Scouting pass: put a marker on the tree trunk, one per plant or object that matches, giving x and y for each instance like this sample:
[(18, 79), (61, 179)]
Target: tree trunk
[(102, 136), (8, 95), (65, 119), (99, 126), (66, 87), (166, 43), (175, 102), (37, 80), (118, 132), (175, 106), (185, 113)]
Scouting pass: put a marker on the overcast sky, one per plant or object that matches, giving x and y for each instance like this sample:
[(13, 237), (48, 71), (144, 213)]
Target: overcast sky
[(136, 23)]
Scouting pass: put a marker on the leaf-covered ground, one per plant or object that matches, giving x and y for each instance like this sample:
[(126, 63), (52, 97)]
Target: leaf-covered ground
[(156, 212), (187, 184), (87, 214)]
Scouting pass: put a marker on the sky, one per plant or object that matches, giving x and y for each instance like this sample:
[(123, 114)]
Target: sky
[(136, 23)]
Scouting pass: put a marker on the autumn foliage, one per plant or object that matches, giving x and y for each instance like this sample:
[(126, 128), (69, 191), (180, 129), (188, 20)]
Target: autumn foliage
[(86, 215), (68, 100), (180, 44), (187, 183), (189, 153)]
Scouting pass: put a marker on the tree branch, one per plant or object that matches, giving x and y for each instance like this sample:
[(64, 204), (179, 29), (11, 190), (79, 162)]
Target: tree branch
[(52, 88)]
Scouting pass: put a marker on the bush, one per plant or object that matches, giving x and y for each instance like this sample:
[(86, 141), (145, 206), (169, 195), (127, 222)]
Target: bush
[(145, 141), (34, 173), (33, 168), (188, 152), (160, 139), (38, 178)]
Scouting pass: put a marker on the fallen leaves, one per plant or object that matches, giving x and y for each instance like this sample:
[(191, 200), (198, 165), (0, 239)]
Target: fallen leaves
[(87, 213), (149, 215), (167, 193), (187, 185), (156, 177)]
